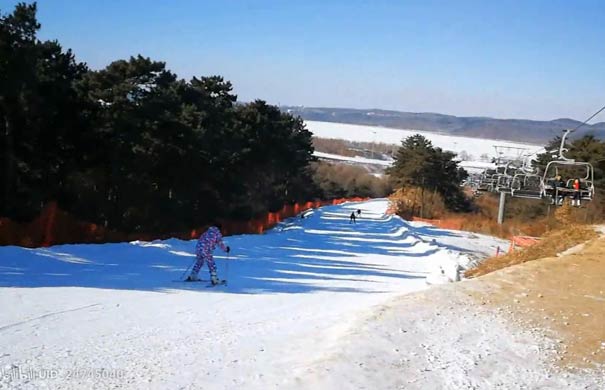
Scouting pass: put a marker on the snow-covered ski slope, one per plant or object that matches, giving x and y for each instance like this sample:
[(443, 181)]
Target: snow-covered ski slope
[(293, 293)]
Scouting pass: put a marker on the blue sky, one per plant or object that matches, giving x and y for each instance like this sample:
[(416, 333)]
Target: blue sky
[(508, 59)]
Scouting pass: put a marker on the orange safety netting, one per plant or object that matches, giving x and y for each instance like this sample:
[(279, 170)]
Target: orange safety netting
[(451, 224), (435, 222), (54, 226), (521, 242), (270, 219)]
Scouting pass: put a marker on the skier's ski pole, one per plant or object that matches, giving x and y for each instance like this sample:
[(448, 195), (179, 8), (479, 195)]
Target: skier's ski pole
[(227, 267), (187, 270)]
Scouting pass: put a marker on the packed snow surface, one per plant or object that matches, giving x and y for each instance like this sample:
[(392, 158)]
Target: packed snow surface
[(112, 315), (474, 147)]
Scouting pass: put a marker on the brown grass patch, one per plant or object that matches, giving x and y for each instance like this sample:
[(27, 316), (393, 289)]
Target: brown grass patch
[(551, 244), (409, 202), (478, 223)]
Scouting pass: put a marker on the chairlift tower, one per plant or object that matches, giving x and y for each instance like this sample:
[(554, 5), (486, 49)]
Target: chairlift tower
[(510, 158)]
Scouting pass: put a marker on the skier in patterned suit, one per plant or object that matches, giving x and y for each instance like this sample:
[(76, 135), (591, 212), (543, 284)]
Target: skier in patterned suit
[(203, 251)]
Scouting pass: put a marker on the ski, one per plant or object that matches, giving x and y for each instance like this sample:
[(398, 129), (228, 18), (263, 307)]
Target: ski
[(221, 283), (190, 281)]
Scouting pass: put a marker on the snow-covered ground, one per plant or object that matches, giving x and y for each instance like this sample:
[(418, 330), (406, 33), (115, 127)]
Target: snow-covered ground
[(470, 166), (474, 147), (442, 339), (477, 166), (355, 159), (98, 316)]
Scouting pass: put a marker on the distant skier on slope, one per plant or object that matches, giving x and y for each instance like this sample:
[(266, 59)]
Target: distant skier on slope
[(203, 251), (352, 218)]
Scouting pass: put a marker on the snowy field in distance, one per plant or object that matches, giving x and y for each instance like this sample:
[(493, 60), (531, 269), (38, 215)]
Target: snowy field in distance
[(474, 147), (356, 159), (470, 166)]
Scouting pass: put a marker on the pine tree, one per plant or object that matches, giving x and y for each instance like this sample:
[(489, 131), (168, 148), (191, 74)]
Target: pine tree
[(419, 164), (40, 115)]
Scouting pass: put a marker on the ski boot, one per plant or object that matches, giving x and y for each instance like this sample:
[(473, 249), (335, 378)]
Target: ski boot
[(214, 279), (192, 278)]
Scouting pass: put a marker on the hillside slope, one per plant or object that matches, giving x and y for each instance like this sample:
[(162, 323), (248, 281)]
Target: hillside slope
[(519, 130)]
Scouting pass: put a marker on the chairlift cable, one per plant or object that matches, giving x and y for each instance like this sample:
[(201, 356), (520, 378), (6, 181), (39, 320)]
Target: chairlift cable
[(587, 120)]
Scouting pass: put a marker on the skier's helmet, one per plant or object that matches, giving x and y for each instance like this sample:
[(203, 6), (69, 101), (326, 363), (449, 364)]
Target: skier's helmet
[(218, 225)]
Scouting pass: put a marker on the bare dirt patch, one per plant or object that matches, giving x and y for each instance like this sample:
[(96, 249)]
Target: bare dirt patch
[(565, 296)]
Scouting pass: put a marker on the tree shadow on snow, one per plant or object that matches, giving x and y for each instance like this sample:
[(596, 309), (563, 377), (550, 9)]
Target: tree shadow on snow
[(299, 256)]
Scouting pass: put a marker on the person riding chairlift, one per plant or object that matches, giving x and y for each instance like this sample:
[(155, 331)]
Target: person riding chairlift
[(558, 182), (557, 195), (577, 195)]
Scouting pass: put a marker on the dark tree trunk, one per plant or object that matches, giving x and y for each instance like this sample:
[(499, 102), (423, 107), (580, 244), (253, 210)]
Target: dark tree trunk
[(8, 171)]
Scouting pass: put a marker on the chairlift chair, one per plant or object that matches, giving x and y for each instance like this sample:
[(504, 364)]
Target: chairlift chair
[(504, 183), (550, 189), (505, 179), (486, 180), (492, 178), (527, 185), (527, 182), (552, 170)]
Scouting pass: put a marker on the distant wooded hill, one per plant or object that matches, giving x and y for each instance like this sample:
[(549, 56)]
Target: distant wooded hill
[(521, 130)]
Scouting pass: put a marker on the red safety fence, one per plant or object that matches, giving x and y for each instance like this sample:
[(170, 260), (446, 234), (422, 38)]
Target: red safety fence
[(521, 242), (451, 224), (434, 222), (54, 226), (267, 221)]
